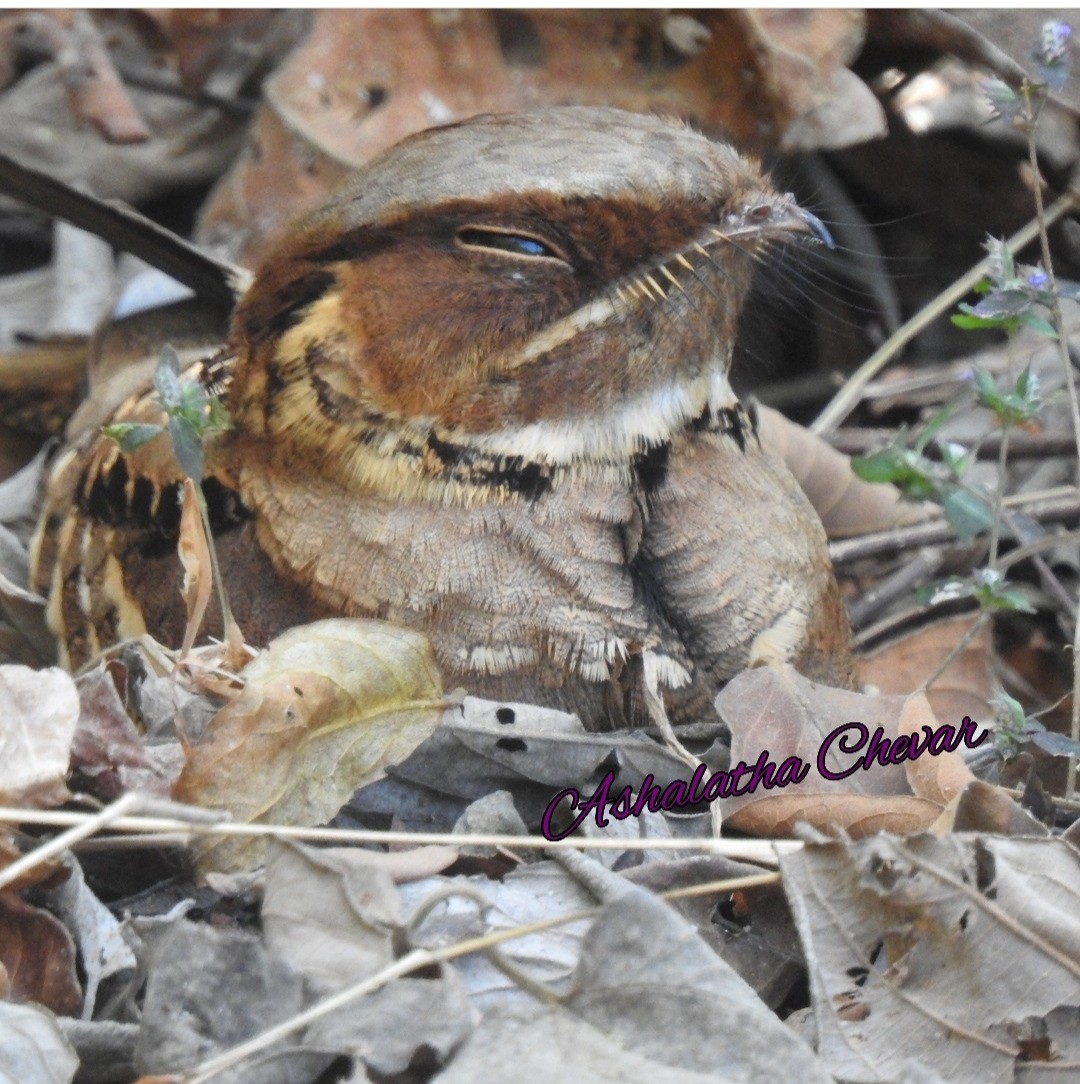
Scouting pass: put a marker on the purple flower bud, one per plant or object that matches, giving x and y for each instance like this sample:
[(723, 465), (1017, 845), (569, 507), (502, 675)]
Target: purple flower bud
[(1052, 54), (1037, 280)]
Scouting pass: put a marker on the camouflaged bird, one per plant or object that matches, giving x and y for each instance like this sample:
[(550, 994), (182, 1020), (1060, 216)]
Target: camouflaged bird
[(484, 392)]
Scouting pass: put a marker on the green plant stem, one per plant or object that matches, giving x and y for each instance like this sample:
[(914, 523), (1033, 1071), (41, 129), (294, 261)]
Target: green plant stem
[(1002, 464), (1044, 221), (847, 398)]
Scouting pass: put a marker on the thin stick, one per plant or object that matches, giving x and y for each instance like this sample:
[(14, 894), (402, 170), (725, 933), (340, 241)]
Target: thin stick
[(1044, 221), (848, 397), (749, 849), (87, 825)]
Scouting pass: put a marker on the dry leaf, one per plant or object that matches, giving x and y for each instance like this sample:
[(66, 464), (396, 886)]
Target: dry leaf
[(38, 955), (208, 990), (107, 750), (39, 710), (647, 981), (846, 505), (982, 807), (33, 1049), (965, 686), (45, 874), (777, 714), (329, 914), (800, 63), (956, 940), (326, 708), (940, 778)]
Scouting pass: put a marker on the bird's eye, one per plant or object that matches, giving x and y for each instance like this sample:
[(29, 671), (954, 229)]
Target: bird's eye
[(513, 244)]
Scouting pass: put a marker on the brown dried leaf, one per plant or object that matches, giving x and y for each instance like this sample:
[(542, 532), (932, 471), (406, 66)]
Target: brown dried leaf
[(964, 688), (39, 710), (982, 807), (778, 711), (846, 504), (108, 751), (939, 778), (956, 939), (48, 873), (39, 956), (94, 90), (326, 707)]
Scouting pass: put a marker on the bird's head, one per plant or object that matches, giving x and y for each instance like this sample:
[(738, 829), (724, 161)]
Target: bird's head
[(557, 286)]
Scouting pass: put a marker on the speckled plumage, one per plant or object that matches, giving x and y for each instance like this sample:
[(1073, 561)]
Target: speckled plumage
[(484, 392)]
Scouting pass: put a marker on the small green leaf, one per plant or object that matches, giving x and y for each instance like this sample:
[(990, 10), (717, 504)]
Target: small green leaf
[(930, 430), (167, 378), (974, 323), (1010, 712), (217, 418), (984, 383), (188, 448), (131, 435), (1013, 601), (883, 466), (1037, 324), (967, 513)]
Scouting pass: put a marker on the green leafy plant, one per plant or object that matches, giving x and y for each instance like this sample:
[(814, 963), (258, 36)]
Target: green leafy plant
[(1013, 730), (192, 414), (987, 586), (921, 478)]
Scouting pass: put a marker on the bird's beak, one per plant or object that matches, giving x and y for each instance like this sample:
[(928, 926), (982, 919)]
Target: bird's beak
[(776, 218)]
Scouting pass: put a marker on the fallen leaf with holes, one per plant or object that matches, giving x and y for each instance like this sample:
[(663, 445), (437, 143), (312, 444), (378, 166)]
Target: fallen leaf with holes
[(846, 505), (961, 940), (39, 710), (325, 709), (778, 714)]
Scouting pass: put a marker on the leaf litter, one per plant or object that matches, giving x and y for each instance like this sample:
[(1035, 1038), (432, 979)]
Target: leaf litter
[(937, 923)]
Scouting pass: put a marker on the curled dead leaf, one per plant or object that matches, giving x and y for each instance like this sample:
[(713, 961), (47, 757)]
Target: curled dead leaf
[(326, 708), (938, 778), (847, 505)]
